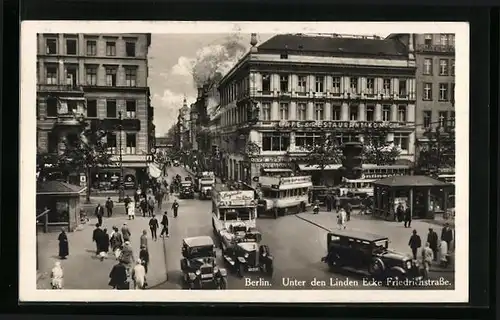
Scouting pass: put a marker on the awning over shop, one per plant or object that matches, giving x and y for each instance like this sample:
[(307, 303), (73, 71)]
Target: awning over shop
[(154, 171), (277, 170), (306, 167)]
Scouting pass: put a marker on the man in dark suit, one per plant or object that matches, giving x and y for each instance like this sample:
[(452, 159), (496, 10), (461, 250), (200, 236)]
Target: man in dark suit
[(432, 239), (99, 213)]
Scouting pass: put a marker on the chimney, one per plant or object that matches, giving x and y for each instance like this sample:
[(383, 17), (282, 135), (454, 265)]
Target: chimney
[(253, 42), (200, 92)]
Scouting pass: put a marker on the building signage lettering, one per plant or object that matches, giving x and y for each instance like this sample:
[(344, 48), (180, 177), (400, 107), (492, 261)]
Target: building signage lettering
[(277, 165), (381, 175), (295, 180), (267, 159), (338, 124)]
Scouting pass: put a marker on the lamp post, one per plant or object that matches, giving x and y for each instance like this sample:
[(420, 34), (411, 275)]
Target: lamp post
[(121, 187)]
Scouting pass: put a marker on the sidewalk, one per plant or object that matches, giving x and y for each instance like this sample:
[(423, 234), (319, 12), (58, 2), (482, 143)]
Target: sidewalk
[(82, 270), (396, 232)]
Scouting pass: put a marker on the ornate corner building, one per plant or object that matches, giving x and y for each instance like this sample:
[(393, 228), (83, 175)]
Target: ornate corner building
[(99, 77), (292, 89)]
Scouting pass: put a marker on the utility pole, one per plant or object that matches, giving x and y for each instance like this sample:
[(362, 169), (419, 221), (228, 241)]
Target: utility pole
[(121, 190)]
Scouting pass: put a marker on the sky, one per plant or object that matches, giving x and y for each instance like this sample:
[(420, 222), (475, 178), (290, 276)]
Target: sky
[(171, 60)]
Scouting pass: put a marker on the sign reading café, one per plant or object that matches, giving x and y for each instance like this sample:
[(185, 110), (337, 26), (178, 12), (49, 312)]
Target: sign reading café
[(338, 124)]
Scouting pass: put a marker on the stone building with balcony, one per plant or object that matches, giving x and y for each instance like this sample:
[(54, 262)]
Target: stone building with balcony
[(435, 98), (97, 77), (292, 89)]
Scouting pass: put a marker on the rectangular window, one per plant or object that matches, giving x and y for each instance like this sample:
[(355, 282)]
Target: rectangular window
[(353, 112), (387, 87), (443, 92), (427, 118), (131, 143), (266, 111), (402, 140), (386, 113), (130, 49), (110, 108), (130, 108), (452, 92), (442, 118), (452, 67), (91, 75), (72, 76), (110, 48), (354, 85), (370, 86), (443, 67), (336, 112), (51, 46), (306, 140), (51, 107), (346, 137), (403, 92), (111, 77), (111, 142), (301, 111), (402, 113), (91, 47), (452, 119), (275, 141), (71, 46), (428, 39), (51, 74), (92, 108), (266, 82), (320, 84), (444, 39), (302, 84), (370, 113), (130, 77), (284, 83), (427, 66), (336, 86), (427, 91), (53, 142), (283, 111), (319, 111)]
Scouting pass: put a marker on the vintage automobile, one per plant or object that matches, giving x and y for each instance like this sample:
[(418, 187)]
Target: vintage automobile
[(368, 254), (242, 253), (199, 270), (186, 190)]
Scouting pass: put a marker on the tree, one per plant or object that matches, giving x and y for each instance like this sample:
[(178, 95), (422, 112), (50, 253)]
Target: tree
[(437, 152), (86, 153), (323, 152), (377, 149)]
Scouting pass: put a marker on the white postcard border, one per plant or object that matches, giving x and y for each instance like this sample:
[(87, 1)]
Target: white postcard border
[(27, 227)]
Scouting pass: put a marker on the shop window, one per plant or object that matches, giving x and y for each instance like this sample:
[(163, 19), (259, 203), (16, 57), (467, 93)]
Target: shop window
[(275, 141)]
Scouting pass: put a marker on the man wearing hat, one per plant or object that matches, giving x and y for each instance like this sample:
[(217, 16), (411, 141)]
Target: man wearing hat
[(447, 235), (432, 239)]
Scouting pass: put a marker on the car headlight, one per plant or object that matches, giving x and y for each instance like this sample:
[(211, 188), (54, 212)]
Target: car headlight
[(216, 269), (198, 272), (408, 265), (264, 254), (246, 255)]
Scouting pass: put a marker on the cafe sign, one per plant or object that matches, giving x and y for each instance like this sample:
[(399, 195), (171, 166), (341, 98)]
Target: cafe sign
[(338, 124), (380, 175)]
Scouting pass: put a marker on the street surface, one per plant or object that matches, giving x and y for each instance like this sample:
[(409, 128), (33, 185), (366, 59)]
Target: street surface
[(296, 242)]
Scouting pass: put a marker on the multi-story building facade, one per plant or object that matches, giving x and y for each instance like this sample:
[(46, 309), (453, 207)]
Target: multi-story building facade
[(435, 78), (99, 77), (289, 91), (184, 121)]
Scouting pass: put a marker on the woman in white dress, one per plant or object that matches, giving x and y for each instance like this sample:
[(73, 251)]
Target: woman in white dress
[(57, 276), (131, 211)]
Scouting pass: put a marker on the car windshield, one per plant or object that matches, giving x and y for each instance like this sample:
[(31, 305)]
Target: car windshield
[(201, 252), (234, 214)]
